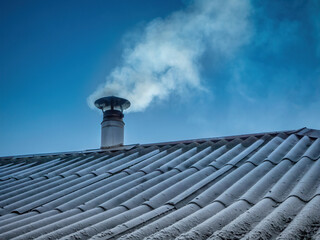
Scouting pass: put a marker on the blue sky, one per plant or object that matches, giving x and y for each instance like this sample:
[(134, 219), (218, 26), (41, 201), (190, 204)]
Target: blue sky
[(235, 69)]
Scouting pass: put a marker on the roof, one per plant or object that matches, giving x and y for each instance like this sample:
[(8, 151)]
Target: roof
[(259, 185)]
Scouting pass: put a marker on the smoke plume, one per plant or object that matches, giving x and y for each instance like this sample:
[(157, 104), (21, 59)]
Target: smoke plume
[(167, 57)]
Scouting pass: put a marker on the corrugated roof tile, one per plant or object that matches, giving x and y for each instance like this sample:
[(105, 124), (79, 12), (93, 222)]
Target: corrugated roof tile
[(281, 190), (262, 186), (216, 222), (277, 155), (275, 222), (305, 224), (242, 225)]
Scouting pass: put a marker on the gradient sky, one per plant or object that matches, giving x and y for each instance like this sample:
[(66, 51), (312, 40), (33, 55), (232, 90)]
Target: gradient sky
[(54, 54)]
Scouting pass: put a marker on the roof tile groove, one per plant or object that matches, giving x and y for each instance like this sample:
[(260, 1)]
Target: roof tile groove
[(239, 187)]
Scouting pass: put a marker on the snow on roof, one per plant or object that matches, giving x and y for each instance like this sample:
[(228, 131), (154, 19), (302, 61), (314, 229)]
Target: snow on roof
[(249, 186)]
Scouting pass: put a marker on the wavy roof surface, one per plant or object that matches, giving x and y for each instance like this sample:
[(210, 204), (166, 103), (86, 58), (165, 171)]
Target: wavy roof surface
[(240, 187)]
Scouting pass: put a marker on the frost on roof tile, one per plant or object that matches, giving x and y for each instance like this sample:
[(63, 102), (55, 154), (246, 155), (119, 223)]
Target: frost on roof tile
[(246, 186)]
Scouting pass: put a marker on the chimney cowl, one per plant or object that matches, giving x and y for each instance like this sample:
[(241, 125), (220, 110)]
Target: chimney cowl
[(112, 126), (112, 103)]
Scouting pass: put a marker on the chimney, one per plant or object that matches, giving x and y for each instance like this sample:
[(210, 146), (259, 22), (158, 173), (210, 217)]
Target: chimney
[(112, 125)]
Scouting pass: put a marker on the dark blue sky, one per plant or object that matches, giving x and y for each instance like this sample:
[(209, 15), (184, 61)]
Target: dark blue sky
[(54, 54)]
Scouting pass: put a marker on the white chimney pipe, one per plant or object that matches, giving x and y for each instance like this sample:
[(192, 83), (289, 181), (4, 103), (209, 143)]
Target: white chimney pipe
[(112, 126), (112, 133)]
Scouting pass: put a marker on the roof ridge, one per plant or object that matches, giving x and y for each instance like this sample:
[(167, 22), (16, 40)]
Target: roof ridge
[(310, 132), (301, 131), (223, 137)]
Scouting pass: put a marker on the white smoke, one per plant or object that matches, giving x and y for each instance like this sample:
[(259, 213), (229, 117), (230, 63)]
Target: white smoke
[(166, 59)]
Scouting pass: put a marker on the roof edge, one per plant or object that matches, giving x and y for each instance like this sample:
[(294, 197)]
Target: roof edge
[(302, 132), (223, 137), (310, 132), (98, 150)]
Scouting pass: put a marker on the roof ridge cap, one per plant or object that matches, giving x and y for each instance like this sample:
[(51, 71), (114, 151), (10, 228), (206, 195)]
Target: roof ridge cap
[(221, 137)]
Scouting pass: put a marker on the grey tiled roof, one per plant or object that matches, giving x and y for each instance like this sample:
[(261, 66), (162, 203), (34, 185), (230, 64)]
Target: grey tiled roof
[(249, 186)]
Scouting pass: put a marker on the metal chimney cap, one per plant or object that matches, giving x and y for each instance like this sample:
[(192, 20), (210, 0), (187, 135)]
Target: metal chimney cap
[(112, 103)]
